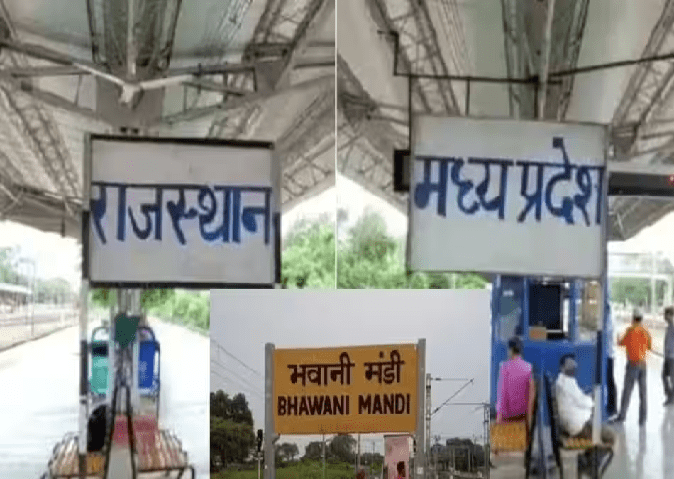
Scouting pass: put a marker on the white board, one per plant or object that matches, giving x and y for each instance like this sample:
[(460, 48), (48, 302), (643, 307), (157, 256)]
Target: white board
[(138, 233), (558, 233)]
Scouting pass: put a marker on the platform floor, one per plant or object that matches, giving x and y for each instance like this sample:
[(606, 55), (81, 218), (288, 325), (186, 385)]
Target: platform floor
[(640, 453), (39, 397)]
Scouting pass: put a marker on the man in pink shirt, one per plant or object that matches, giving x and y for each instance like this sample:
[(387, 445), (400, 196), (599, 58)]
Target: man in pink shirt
[(516, 388)]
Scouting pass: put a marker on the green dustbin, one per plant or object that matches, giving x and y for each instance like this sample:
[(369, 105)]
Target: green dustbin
[(99, 367)]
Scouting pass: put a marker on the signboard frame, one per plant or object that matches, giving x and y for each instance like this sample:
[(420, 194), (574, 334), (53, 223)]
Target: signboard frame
[(603, 211), (415, 385), (275, 223)]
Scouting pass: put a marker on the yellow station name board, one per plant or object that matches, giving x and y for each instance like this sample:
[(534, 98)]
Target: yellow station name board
[(362, 389)]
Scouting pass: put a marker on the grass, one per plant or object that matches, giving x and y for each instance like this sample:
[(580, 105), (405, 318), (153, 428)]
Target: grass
[(305, 470)]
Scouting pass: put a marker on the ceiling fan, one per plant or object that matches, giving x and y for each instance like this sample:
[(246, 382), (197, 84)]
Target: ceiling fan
[(131, 89)]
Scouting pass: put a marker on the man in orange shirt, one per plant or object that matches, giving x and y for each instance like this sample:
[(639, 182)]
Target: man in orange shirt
[(637, 342)]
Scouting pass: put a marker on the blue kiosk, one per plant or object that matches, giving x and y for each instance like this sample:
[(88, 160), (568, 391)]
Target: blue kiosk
[(545, 315)]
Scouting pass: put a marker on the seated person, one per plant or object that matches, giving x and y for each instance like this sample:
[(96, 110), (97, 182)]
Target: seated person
[(576, 408), (97, 429), (516, 390)]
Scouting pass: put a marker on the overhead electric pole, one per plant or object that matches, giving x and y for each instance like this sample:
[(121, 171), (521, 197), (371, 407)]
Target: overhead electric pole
[(358, 456)]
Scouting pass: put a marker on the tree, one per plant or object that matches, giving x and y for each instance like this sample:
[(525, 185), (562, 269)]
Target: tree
[(231, 442), (309, 255), (232, 437), (342, 448), (314, 450), (467, 456), (635, 291), (53, 291), (240, 412), (373, 462), (187, 308), (235, 409), (287, 451), (8, 273), (369, 257), (221, 405), (50, 291), (149, 298)]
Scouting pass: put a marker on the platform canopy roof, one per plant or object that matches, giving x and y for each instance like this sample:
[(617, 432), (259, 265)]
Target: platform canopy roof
[(14, 289), (239, 69), (501, 39)]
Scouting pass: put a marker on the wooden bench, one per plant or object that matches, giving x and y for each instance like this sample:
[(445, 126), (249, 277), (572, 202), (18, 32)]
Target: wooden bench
[(161, 451), (157, 451), (514, 437), (575, 443), (563, 440), (508, 437), (65, 460)]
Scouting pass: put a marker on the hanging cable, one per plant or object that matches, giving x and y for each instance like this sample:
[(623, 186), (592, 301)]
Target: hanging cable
[(241, 386), (244, 380), (451, 397), (235, 358)]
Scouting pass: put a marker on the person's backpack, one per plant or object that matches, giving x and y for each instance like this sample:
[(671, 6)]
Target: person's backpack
[(97, 428)]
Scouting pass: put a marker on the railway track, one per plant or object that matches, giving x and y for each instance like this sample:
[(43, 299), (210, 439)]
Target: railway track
[(39, 317)]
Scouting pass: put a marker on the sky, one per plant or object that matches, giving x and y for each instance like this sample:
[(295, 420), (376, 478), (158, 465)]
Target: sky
[(455, 324), (54, 256)]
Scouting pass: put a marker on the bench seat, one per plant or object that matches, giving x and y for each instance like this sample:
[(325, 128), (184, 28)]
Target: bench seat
[(576, 443), (65, 461), (508, 437), (160, 451), (157, 450)]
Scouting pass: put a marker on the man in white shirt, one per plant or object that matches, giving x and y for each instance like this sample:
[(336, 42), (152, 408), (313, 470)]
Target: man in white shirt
[(575, 408)]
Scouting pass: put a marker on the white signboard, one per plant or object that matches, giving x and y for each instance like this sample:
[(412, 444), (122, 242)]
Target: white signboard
[(181, 212), (506, 196)]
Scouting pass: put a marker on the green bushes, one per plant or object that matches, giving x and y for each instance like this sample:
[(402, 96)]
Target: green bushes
[(186, 308), (369, 257), (309, 255)]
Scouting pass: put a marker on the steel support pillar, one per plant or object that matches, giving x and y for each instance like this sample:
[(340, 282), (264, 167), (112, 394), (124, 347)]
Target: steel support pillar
[(420, 455), (269, 433)]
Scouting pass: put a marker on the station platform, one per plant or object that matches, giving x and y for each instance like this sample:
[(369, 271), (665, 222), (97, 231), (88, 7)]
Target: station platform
[(640, 453), (43, 404)]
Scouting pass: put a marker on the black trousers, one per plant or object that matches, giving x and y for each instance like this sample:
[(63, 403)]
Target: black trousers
[(610, 384), (668, 377)]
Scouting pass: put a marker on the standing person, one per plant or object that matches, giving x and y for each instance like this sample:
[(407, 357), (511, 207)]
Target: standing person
[(516, 388), (612, 340), (668, 365), (637, 342)]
